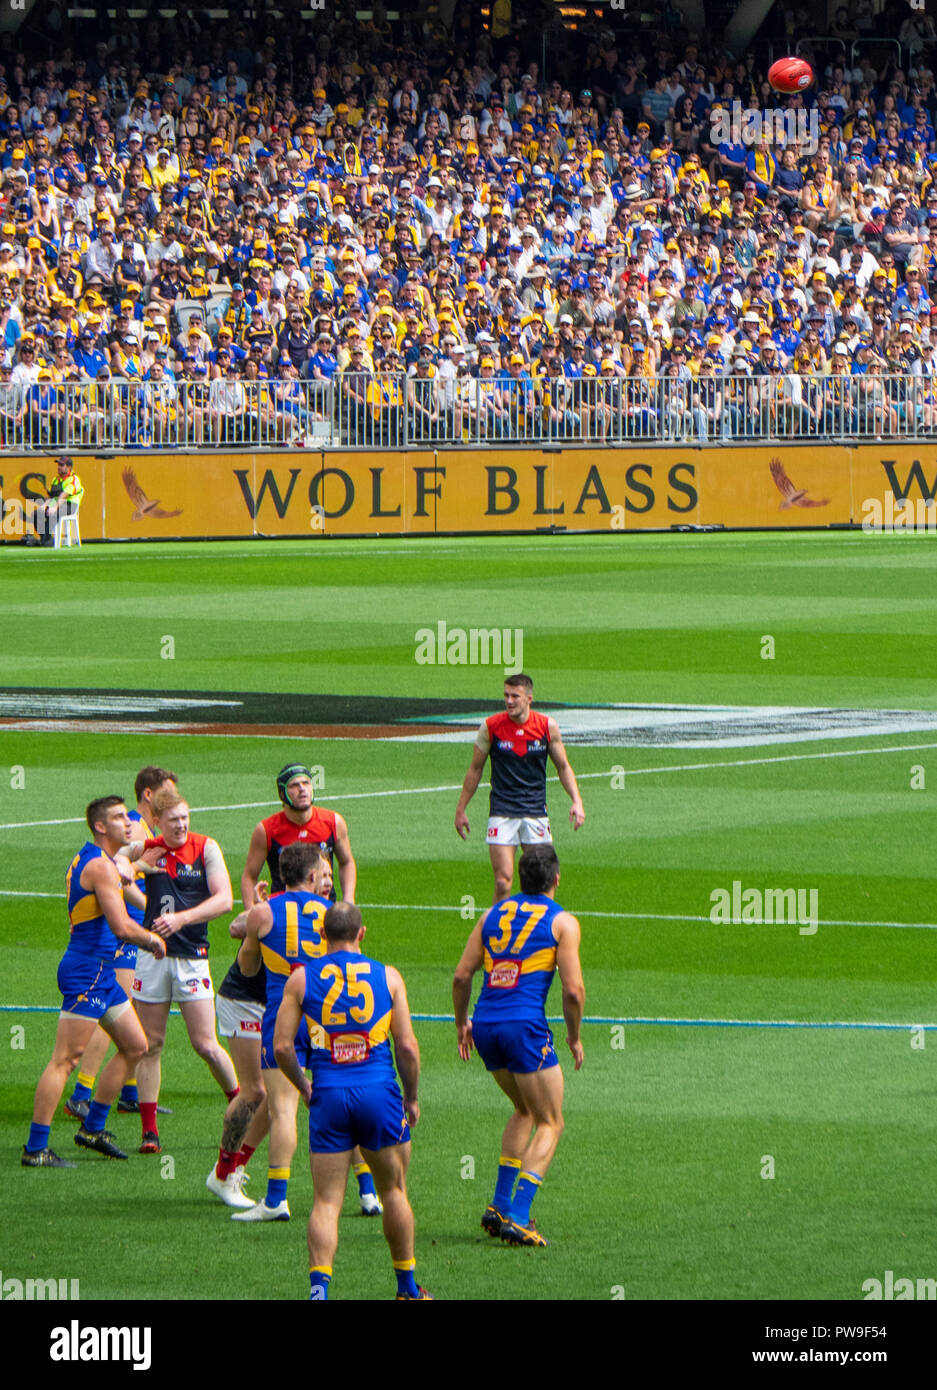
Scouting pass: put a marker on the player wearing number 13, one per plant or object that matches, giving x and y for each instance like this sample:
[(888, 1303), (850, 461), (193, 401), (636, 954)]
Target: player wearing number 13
[(353, 1006), (280, 936), (520, 943)]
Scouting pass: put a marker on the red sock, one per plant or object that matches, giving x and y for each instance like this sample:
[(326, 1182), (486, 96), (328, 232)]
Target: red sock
[(148, 1117), (232, 1094), (244, 1155), (227, 1162)]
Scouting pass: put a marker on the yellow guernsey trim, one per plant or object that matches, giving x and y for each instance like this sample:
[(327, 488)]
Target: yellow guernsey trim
[(379, 1032), (85, 910), (274, 963), (540, 960)]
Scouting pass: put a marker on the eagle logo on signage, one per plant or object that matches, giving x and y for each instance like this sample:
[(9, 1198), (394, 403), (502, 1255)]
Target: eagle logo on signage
[(792, 496), (142, 504)]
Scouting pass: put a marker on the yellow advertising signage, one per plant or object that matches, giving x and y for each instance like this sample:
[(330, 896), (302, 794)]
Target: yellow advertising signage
[(151, 495)]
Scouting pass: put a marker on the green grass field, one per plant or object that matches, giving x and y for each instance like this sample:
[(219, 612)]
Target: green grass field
[(657, 1186)]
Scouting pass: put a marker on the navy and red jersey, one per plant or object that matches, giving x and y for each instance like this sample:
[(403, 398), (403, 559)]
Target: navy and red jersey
[(246, 989), (181, 879), (518, 764), (319, 830)]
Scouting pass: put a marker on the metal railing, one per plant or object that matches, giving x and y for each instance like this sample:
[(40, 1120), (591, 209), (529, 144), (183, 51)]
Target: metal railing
[(364, 411)]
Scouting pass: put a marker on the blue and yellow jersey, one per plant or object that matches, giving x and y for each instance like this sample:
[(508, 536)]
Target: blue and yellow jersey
[(519, 958), (293, 940), (348, 1008), (90, 934), (136, 913)]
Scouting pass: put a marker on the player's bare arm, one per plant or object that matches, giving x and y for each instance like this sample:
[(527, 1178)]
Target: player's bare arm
[(289, 1017), (471, 962), (257, 923), (256, 858), (472, 778), (406, 1047), (101, 878), (566, 775), (145, 854), (237, 925), (347, 868), (133, 896), (219, 901), (566, 932)]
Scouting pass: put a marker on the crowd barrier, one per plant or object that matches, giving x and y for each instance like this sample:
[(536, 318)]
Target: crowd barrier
[(358, 410)]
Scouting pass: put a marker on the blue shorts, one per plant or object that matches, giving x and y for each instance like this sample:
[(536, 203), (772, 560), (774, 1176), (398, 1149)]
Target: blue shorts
[(522, 1046), (342, 1116), (268, 1061), (125, 957), (89, 986)]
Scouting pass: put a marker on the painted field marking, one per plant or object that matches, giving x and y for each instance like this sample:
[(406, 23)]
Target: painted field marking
[(652, 1022), (580, 912), (581, 777)]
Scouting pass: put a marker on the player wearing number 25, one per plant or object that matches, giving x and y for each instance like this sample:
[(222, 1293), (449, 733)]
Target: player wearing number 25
[(520, 943), (353, 1006)]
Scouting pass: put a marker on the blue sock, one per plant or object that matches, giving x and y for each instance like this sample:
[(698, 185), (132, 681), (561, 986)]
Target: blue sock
[(528, 1185), (97, 1116), (319, 1281), (276, 1186), (406, 1283), (129, 1092), (508, 1169), (365, 1180), (38, 1138)]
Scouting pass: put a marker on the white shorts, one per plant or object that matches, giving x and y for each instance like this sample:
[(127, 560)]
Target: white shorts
[(239, 1018), (174, 979), (519, 830)]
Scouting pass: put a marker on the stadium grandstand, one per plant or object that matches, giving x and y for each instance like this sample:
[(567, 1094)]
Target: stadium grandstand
[(464, 225)]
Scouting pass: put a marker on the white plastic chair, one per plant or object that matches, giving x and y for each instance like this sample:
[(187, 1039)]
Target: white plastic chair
[(66, 532)]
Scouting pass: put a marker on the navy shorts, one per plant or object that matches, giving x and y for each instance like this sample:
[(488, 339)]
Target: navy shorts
[(342, 1116), (89, 986), (268, 1061), (522, 1046)]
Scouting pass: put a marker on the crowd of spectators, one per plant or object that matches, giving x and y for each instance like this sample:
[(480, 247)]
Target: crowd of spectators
[(234, 235)]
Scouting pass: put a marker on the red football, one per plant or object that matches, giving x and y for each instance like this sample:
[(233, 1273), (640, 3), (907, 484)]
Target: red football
[(790, 75)]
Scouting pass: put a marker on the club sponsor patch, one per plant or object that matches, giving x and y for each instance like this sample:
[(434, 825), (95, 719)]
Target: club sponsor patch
[(250, 1025), (350, 1047), (505, 974)]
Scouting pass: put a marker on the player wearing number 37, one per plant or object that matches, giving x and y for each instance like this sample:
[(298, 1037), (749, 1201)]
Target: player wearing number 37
[(520, 943)]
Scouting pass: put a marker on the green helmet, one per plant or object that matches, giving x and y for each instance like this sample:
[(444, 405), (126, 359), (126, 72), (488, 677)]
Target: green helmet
[(286, 775)]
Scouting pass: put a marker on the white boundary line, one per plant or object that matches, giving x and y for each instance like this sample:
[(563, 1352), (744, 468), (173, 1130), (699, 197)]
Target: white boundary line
[(581, 912), (594, 1020), (581, 777)]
